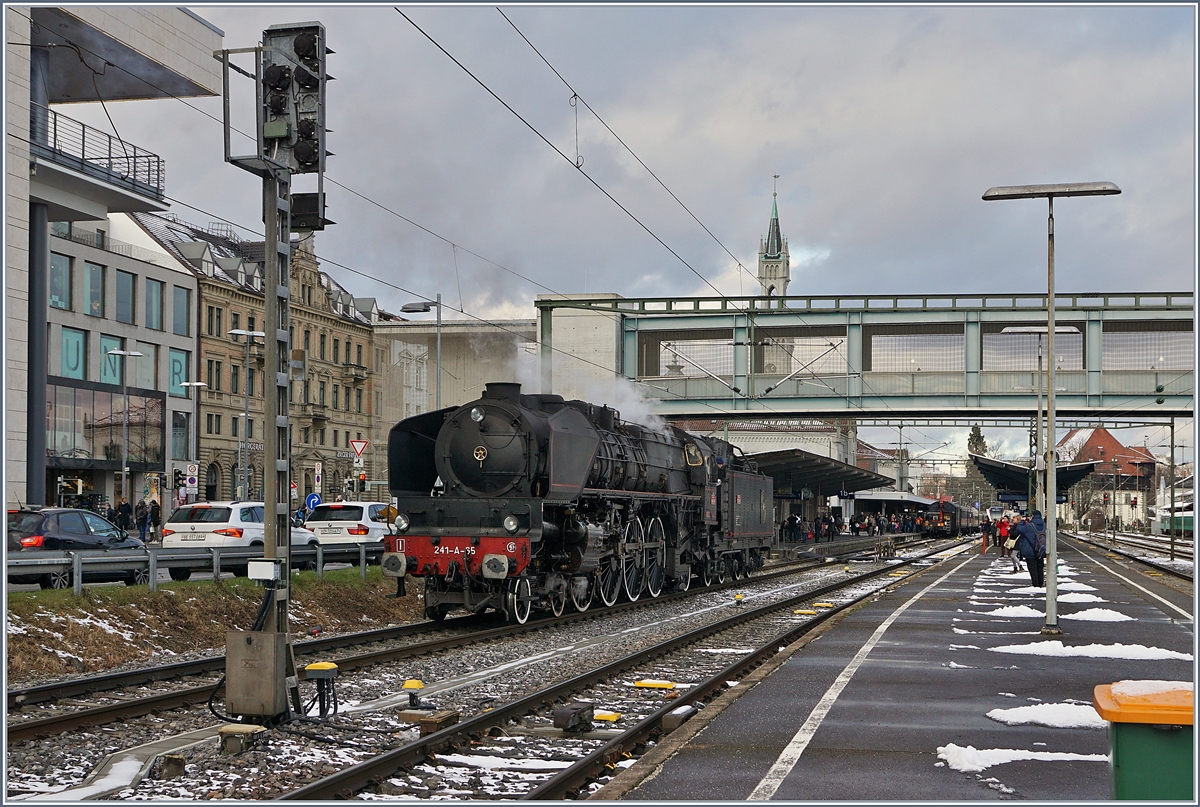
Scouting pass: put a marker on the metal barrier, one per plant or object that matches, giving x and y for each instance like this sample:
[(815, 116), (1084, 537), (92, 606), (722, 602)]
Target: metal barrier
[(215, 559)]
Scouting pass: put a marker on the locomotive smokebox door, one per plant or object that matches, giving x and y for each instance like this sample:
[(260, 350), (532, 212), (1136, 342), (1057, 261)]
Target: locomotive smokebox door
[(577, 716), (495, 567)]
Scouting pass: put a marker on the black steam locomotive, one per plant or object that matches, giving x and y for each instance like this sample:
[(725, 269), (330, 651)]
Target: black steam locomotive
[(521, 502)]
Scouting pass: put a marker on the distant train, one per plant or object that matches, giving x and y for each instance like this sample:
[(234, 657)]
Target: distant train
[(519, 502), (948, 518)]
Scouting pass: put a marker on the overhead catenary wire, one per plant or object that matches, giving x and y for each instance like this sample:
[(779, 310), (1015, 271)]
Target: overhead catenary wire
[(559, 152), (576, 96)]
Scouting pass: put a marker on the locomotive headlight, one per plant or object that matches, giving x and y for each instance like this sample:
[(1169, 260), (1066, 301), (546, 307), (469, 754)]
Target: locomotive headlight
[(477, 414), (402, 522), (511, 524)]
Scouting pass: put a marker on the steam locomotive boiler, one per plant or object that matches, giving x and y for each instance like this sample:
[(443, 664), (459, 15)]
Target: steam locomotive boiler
[(527, 502)]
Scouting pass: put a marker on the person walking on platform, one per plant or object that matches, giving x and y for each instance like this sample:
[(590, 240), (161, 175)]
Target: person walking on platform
[(1031, 542)]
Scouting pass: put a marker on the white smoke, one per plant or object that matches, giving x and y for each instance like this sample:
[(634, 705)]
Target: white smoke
[(617, 392)]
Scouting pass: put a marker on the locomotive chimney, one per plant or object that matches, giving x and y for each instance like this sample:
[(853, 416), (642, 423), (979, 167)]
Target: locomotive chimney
[(503, 391)]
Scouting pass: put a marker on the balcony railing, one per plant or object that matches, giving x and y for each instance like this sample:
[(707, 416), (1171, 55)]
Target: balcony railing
[(63, 229), (72, 144), (354, 372)]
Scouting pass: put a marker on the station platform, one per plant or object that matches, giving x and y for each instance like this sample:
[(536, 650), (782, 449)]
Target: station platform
[(940, 689)]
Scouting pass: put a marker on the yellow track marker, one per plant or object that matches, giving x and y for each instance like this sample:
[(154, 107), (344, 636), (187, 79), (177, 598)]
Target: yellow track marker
[(608, 717), (650, 683), (822, 605), (413, 683), (807, 611)]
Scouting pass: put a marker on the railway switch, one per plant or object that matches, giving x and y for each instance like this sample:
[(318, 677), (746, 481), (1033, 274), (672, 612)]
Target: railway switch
[(576, 716), (324, 673)]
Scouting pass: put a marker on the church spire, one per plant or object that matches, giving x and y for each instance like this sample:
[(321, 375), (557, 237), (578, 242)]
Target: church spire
[(774, 263)]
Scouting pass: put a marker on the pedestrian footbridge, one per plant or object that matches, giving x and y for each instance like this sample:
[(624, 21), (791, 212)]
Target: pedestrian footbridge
[(926, 355)]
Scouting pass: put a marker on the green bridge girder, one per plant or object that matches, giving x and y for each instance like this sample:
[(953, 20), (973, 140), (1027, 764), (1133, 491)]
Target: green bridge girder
[(1119, 373)]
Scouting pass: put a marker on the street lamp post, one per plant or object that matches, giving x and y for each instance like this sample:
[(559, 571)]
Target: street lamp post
[(243, 445), (1049, 192), (195, 411), (133, 354), (423, 307)]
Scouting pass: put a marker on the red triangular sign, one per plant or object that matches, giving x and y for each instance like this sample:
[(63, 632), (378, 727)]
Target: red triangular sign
[(359, 446)]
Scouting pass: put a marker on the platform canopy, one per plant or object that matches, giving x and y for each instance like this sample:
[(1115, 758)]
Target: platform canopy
[(794, 469), (1011, 478)]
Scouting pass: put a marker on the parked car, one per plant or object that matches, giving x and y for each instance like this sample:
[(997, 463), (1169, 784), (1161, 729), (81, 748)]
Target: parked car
[(220, 524), (350, 523), (68, 529)]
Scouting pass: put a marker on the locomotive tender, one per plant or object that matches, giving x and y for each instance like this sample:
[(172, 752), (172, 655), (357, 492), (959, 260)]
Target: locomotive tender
[(520, 502)]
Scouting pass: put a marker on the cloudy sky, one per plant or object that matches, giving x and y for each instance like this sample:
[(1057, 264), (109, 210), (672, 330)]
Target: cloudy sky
[(885, 126)]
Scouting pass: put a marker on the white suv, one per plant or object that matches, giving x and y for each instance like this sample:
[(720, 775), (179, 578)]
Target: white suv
[(222, 524), (350, 523)]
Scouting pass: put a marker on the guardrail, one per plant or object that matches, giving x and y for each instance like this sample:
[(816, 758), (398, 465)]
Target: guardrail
[(73, 566)]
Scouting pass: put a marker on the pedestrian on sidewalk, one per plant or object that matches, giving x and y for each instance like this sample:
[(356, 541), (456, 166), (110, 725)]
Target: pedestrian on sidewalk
[(1031, 542)]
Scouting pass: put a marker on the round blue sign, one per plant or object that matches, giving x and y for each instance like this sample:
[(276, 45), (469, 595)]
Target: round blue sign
[(312, 500)]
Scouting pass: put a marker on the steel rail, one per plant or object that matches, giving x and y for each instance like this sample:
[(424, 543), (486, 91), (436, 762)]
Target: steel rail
[(348, 781), (1156, 566), (188, 696)]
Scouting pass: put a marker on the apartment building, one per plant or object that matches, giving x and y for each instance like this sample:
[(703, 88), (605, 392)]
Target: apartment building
[(73, 294)]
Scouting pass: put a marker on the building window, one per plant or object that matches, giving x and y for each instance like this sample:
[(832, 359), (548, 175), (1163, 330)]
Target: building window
[(145, 368), (60, 281), (321, 393), (233, 426), (178, 362), (335, 436), (214, 423), (93, 276), (335, 396), (181, 313), (214, 321), (250, 381), (305, 433), (358, 401), (234, 319), (234, 381), (110, 366), (179, 435), (337, 345), (154, 303), (358, 355), (347, 433), (321, 436), (346, 398), (74, 354), (307, 341), (214, 375), (126, 305), (249, 322), (307, 390), (321, 346), (250, 429)]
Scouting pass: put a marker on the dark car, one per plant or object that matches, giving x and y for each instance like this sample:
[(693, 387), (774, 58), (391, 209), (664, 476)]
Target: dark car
[(65, 529)]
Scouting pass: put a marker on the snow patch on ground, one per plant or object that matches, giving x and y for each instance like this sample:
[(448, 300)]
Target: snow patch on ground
[(1014, 610), (1099, 615), (1122, 651), (1079, 597), (973, 760), (1054, 715)]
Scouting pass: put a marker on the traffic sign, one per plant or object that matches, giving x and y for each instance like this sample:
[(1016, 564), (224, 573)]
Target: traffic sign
[(192, 482), (311, 501), (358, 462), (317, 476), (359, 446)]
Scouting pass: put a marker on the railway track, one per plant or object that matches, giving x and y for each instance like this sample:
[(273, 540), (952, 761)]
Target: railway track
[(62, 708), (1107, 547), (695, 664)]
